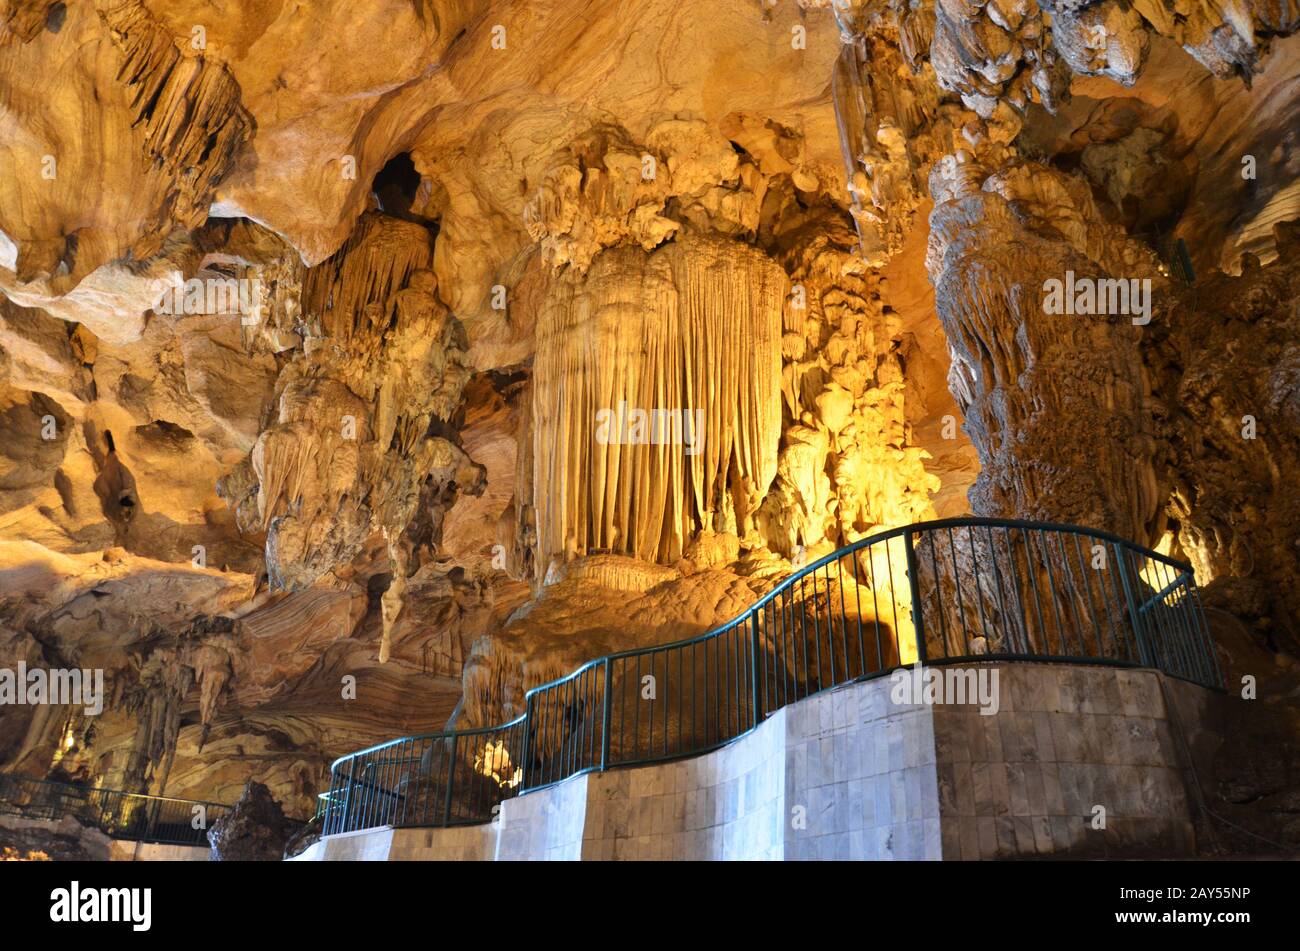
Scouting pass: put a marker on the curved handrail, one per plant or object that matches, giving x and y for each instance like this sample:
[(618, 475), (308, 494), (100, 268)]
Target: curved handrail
[(1174, 639), (105, 791), (158, 825), (784, 585)]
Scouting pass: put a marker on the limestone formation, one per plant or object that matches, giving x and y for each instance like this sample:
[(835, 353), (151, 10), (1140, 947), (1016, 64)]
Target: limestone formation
[(1228, 365), (351, 389), (255, 830), (655, 406), (351, 447), (1021, 367)]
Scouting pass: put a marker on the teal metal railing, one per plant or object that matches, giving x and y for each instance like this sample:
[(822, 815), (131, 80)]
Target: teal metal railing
[(948, 591), (119, 815)]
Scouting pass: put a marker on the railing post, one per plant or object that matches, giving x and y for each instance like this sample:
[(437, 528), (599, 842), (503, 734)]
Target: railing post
[(753, 668), (1135, 616), (605, 717), (526, 723), (451, 779), (918, 618), (151, 809), (347, 796), (1207, 639)]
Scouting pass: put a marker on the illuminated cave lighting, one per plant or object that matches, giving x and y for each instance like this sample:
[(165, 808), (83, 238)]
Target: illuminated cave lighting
[(65, 746), (494, 763), (1154, 573), (13, 855), (892, 600)]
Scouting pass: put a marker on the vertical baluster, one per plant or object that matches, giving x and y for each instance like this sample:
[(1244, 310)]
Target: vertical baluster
[(1032, 647), (451, 781), (1136, 620), (789, 659), (636, 712), (665, 657), (1084, 571), (875, 604), (1216, 677), (830, 622), (914, 589), (573, 722), (997, 586), (606, 712), (1071, 593), (961, 602), (1062, 645), (1014, 565), (857, 600), (622, 707), (893, 597), (1114, 597), (418, 813), (979, 588), (681, 696), (696, 741), (918, 607), (652, 658)]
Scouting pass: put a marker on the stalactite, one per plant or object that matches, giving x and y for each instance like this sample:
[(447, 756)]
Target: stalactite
[(1226, 365), (848, 466), (189, 110), (391, 601), (375, 262), (351, 448), (890, 118), (694, 327)]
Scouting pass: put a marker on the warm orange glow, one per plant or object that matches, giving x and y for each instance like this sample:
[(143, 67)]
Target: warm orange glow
[(893, 600), (494, 763), (1154, 573), (13, 855)]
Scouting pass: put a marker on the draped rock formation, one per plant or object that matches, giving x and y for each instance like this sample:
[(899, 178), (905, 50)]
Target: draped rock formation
[(656, 406), (351, 450), (849, 464), (998, 54), (1020, 370), (166, 128)]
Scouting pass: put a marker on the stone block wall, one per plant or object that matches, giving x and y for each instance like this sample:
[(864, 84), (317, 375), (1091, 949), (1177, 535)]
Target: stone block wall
[(862, 770), (1067, 742), (852, 774), (727, 804), (546, 824)]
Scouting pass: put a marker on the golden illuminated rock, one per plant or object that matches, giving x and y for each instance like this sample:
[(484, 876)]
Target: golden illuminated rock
[(362, 367)]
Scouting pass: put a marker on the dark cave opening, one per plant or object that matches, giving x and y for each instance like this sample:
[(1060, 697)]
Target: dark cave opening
[(396, 188)]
